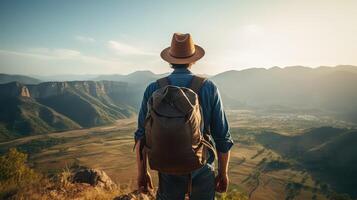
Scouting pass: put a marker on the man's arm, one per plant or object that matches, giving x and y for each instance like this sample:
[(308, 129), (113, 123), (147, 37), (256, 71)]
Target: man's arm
[(223, 160), (144, 180), (220, 133), (143, 176)]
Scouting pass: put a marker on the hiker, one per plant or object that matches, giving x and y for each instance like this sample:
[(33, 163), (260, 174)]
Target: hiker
[(180, 115)]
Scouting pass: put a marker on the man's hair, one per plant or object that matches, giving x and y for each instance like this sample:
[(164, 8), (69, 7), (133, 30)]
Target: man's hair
[(176, 66)]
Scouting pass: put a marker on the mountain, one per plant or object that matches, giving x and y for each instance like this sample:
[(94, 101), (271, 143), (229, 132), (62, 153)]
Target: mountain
[(55, 106), (137, 82), (138, 78), (7, 78), (66, 77), (88, 103), (330, 154), (21, 115), (330, 89), (296, 145)]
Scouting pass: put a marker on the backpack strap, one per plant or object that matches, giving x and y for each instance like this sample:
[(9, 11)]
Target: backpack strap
[(163, 82), (197, 83)]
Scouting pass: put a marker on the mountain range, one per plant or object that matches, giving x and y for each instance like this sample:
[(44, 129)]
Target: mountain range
[(7, 78), (331, 89), (104, 98)]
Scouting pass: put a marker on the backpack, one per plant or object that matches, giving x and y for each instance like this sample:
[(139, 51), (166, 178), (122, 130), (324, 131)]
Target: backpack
[(173, 139)]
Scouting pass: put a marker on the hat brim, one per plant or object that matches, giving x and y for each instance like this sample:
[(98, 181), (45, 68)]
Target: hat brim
[(199, 53)]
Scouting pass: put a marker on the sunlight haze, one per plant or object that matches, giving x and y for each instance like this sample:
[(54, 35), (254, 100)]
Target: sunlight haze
[(120, 37)]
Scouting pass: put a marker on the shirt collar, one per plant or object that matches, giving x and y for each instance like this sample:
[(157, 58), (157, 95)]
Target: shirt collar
[(181, 71)]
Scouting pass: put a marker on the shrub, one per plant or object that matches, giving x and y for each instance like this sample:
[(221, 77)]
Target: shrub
[(14, 173)]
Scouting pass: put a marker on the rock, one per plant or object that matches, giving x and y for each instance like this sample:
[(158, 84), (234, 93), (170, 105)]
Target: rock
[(14, 89), (94, 177)]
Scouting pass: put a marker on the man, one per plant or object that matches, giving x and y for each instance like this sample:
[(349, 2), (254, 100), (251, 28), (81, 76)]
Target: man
[(182, 54)]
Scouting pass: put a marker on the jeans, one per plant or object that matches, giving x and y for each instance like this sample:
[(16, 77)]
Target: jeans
[(174, 187)]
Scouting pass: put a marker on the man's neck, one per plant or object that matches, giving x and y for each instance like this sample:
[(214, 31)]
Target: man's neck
[(181, 70)]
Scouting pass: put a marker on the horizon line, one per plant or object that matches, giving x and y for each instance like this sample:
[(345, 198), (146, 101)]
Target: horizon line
[(237, 70)]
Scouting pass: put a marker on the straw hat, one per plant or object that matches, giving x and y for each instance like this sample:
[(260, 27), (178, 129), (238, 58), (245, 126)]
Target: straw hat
[(182, 50)]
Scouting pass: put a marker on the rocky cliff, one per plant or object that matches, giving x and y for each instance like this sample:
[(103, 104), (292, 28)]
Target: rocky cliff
[(93, 88), (13, 89), (54, 106)]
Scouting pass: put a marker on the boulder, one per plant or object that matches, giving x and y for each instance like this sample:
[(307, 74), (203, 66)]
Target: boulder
[(94, 177)]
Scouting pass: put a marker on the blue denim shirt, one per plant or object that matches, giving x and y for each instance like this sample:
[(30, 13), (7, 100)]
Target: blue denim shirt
[(212, 108)]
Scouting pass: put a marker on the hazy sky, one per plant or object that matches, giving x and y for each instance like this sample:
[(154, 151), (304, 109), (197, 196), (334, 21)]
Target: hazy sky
[(101, 37)]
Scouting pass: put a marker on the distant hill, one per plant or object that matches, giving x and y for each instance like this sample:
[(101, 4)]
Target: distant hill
[(54, 106), (66, 77), (7, 78), (137, 78), (331, 89), (329, 153), (137, 82), (297, 145)]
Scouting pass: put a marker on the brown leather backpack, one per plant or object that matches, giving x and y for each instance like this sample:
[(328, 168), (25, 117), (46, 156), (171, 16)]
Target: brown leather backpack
[(173, 139)]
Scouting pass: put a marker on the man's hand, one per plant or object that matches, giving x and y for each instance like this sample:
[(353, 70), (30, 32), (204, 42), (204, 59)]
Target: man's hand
[(221, 183), (145, 182), (222, 180)]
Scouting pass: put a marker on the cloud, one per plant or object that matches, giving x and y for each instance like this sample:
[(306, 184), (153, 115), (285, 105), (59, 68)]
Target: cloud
[(23, 54), (60, 54), (125, 49), (85, 39), (45, 53), (53, 53)]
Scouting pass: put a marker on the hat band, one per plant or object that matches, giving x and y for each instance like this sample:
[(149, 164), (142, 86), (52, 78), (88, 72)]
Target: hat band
[(193, 53)]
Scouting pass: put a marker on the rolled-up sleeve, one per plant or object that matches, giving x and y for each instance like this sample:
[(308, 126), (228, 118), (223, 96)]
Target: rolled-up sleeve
[(140, 132), (219, 125)]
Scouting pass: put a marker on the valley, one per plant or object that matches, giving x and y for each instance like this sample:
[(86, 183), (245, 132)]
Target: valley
[(257, 171)]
